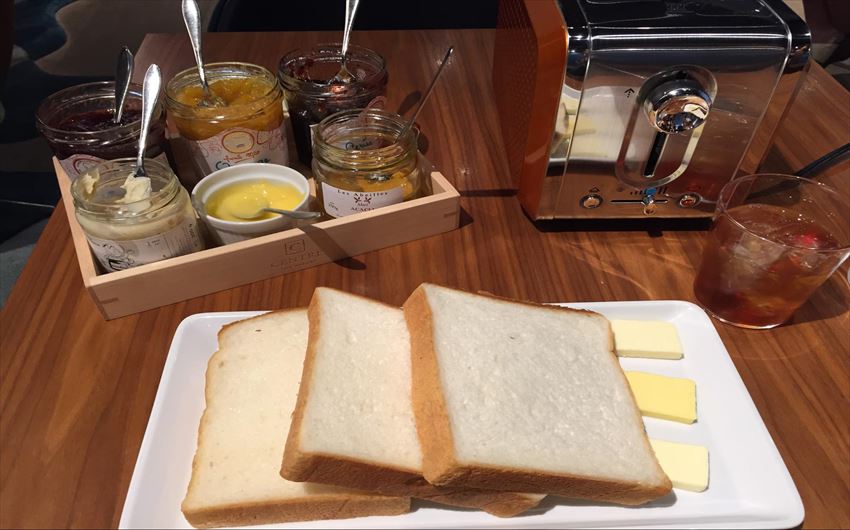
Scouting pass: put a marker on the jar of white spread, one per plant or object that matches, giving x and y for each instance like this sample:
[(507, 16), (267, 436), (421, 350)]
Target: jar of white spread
[(131, 221)]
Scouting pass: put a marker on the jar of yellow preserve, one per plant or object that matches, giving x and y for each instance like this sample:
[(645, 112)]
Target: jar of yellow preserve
[(248, 128), (131, 221), (360, 163)]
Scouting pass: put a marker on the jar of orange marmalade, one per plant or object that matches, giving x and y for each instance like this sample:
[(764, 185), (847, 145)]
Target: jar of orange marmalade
[(248, 128), (362, 161)]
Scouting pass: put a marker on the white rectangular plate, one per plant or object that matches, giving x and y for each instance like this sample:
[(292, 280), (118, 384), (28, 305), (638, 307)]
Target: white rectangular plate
[(749, 484)]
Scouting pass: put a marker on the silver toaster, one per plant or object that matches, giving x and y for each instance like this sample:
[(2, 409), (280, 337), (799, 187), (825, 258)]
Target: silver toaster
[(628, 108)]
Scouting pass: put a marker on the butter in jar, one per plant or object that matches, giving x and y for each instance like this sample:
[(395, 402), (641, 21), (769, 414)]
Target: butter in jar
[(360, 163), (247, 129), (131, 221)]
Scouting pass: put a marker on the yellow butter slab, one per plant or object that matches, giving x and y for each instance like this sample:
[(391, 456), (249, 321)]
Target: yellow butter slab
[(667, 398), (653, 339), (685, 464)]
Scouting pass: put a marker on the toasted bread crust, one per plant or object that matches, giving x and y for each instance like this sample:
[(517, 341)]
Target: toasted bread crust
[(292, 466), (323, 507), (429, 408), (565, 485), (498, 503), (385, 480), (303, 466), (439, 461), (349, 472)]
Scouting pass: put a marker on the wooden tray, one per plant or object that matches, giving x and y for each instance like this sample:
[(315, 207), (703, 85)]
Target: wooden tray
[(165, 282)]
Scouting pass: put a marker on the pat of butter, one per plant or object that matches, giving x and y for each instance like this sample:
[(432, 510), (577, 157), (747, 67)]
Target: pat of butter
[(135, 189), (685, 464), (667, 398), (646, 338)]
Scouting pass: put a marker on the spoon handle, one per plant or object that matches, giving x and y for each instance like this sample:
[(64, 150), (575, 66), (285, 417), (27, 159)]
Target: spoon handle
[(350, 12), (150, 93), (123, 73), (295, 214), (427, 92), (192, 18)]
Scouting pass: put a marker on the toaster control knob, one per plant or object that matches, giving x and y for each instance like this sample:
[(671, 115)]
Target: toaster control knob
[(677, 106), (591, 201), (689, 200)]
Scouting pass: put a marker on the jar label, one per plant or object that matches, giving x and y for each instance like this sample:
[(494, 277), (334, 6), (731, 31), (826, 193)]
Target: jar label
[(126, 253), (238, 145), (339, 203), (76, 165)]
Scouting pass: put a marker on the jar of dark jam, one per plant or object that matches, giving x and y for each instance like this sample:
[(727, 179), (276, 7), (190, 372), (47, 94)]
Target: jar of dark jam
[(311, 96), (77, 123)]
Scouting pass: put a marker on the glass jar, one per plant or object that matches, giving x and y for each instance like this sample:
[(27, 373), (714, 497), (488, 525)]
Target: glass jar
[(310, 97), (360, 163), (129, 221), (247, 129), (77, 123)]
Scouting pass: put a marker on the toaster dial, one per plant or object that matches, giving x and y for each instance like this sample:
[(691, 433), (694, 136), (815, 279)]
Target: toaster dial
[(677, 106)]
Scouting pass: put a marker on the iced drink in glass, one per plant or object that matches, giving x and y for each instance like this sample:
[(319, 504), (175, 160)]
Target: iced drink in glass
[(775, 240)]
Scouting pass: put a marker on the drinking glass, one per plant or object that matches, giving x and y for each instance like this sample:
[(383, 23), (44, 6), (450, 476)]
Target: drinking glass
[(774, 241)]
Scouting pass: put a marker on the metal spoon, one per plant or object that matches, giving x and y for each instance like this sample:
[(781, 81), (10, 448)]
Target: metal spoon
[(422, 101), (192, 18), (123, 72), (344, 76), (295, 214), (150, 93)]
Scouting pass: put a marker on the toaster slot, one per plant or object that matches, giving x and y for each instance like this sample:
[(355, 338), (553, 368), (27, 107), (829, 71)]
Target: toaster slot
[(664, 127), (654, 154)]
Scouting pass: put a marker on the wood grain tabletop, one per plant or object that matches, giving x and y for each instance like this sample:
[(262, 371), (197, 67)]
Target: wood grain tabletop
[(76, 391)]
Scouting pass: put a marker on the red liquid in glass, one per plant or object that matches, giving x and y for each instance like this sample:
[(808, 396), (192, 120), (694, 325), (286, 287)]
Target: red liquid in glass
[(760, 280)]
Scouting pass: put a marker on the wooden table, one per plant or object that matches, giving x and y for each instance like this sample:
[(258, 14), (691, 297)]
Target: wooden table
[(76, 391)]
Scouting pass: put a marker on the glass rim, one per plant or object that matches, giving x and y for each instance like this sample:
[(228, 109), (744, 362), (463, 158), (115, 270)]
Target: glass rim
[(157, 170), (732, 184), (135, 91), (353, 51), (214, 71), (406, 144)]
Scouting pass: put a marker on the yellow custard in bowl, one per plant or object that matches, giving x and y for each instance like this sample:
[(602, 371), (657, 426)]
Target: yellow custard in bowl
[(240, 200)]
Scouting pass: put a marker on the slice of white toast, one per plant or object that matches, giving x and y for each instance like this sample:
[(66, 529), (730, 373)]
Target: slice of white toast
[(512, 395), (251, 387), (353, 424)]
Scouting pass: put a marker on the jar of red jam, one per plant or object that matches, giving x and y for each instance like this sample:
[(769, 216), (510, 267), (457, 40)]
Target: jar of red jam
[(311, 96), (78, 124)]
